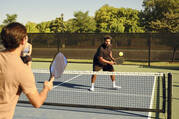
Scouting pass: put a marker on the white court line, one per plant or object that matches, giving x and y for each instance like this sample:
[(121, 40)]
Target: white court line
[(66, 81), (152, 99), (106, 93)]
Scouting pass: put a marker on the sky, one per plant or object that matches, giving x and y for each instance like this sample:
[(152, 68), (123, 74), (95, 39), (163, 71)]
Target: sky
[(38, 11)]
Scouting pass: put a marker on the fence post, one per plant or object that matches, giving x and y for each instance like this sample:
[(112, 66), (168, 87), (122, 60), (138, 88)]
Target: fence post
[(58, 41), (149, 49)]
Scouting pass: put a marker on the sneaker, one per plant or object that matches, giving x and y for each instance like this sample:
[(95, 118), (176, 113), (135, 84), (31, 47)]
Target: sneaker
[(116, 87), (91, 89)]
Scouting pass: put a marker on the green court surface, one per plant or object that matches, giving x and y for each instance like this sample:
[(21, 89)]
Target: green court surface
[(134, 67)]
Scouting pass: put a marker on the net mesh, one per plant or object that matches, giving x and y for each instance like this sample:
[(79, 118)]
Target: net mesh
[(139, 90)]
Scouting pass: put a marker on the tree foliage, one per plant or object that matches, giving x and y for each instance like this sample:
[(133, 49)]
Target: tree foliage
[(157, 16), (110, 19), (10, 18), (57, 25), (1, 26), (161, 15), (44, 27), (81, 23), (31, 27)]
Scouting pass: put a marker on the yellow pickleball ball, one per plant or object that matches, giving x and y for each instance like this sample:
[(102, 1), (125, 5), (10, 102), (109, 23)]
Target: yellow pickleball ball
[(121, 54)]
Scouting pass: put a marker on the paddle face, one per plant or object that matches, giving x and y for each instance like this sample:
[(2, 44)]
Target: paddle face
[(117, 61), (120, 58), (58, 65)]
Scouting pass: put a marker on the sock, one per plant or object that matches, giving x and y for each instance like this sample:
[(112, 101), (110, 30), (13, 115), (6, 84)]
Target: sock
[(92, 85), (114, 84)]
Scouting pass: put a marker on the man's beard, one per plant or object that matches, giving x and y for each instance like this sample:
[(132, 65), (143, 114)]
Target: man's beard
[(107, 45)]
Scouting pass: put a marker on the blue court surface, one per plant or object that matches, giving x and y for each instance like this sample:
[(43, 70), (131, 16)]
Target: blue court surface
[(135, 92)]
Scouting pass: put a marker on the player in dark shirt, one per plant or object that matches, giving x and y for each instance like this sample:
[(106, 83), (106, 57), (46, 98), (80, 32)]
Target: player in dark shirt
[(103, 60)]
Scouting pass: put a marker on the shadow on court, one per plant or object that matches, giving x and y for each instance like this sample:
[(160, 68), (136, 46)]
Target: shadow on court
[(86, 111), (75, 85)]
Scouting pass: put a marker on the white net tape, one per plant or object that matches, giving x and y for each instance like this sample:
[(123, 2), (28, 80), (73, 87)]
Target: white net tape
[(104, 73)]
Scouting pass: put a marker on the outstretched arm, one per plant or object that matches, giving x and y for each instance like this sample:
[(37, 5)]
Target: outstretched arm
[(101, 59), (36, 98), (111, 56)]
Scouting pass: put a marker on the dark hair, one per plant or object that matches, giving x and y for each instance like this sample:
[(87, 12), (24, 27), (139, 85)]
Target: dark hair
[(12, 35), (107, 37)]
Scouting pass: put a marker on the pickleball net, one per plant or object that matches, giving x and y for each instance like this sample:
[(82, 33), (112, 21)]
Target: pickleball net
[(140, 91)]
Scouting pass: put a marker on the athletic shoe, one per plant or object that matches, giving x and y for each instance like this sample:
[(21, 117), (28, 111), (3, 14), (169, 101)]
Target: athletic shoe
[(91, 89), (116, 87)]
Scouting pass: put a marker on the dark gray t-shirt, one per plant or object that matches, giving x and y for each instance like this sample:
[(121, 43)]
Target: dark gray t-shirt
[(102, 51)]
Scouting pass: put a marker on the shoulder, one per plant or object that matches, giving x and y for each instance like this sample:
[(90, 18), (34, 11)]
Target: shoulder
[(29, 45), (102, 46), (4, 56), (27, 72)]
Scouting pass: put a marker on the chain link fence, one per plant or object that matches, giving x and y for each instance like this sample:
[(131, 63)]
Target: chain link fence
[(135, 46)]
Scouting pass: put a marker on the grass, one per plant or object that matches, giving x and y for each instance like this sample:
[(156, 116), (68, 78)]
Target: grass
[(69, 60), (166, 64), (153, 63)]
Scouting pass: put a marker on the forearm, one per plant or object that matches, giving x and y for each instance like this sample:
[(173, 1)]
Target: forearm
[(104, 61), (36, 98), (43, 95), (111, 56)]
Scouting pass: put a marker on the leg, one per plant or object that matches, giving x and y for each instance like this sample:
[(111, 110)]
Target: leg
[(113, 78), (114, 82), (111, 69), (93, 77)]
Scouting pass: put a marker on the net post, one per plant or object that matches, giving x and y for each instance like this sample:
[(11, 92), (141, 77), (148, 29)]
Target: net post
[(164, 94), (169, 98)]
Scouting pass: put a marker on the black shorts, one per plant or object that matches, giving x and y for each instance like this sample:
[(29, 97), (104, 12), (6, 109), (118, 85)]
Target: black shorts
[(26, 59), (107, 67)]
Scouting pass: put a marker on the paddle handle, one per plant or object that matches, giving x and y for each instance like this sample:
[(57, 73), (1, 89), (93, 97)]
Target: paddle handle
[(52, 78)]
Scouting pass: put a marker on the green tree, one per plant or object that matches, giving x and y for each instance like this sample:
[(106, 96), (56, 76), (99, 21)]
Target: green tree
[(31, 27), (131, 20), (110, 19), (161, 15), (70, 26), (1, 26), (58, 25), (10, 18), (43, 27), (82, 23), (107, 21)]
